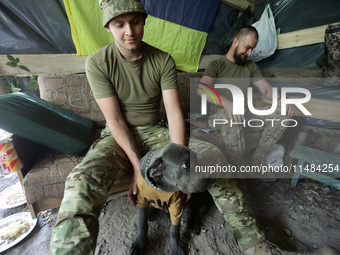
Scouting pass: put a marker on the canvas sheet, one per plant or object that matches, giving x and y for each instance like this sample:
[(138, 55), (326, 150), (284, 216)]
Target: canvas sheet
[(194, 14)]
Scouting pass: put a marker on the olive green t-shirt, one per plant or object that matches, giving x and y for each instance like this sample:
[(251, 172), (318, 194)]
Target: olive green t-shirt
[(226, 72), (137, 84)]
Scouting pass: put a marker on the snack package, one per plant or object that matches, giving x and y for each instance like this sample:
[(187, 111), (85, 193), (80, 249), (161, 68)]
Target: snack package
[(9, 160)]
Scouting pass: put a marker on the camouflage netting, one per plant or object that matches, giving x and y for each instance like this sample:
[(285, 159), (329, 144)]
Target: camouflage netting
[(331, 64)]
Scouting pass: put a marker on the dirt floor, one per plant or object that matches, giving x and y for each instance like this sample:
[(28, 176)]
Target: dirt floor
[(298, 219)]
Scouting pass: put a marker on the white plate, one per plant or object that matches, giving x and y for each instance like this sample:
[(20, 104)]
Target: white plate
[(4, 223), (5, 194)]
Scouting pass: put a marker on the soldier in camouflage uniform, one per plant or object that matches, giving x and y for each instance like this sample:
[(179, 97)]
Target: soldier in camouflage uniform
[(234, 68), (131, 132)]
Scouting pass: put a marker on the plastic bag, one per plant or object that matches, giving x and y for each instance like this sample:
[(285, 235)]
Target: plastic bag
[(267, 43)]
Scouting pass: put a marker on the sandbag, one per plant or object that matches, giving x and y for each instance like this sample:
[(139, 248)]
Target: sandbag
[(331, 63), (267, 43), (45, 123)]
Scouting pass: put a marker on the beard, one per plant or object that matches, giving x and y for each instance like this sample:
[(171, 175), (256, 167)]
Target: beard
[(238, 58)]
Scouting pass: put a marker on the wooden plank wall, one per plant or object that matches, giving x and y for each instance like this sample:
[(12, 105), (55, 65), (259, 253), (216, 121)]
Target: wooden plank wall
[(44, 63)]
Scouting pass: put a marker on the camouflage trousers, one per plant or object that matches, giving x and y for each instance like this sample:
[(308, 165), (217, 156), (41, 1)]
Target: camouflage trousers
[(87, 186), (233, 136), (229, 201)]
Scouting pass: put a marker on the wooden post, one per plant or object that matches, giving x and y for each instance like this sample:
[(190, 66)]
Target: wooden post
[(240, 5)]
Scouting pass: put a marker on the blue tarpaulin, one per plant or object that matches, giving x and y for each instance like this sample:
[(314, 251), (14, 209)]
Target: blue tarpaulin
[(194, 14)]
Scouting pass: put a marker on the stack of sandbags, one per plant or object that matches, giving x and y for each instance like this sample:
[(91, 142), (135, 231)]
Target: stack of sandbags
[(331, 63)]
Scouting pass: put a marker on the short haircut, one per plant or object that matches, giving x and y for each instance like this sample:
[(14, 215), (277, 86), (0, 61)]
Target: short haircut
[(242, 32)]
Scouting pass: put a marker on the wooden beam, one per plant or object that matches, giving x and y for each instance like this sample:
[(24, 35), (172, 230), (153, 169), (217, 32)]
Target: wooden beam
[(71, 63), (302, 37), (289, 72), (240, 5), (324, 109), (44, 63)]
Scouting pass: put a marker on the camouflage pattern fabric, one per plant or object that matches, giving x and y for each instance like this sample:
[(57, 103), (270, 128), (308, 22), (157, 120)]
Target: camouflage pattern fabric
[(86, 189), (331, 65), (114, 8), (229, 201), (233, 137)]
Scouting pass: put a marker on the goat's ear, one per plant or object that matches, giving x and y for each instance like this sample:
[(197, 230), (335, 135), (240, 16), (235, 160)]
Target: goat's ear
[(156, 168)]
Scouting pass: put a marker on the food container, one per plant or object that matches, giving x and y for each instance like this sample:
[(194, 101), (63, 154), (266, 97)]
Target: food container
[(9, 160)]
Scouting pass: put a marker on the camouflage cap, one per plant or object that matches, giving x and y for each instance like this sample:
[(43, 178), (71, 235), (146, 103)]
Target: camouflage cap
[(114, 8)]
